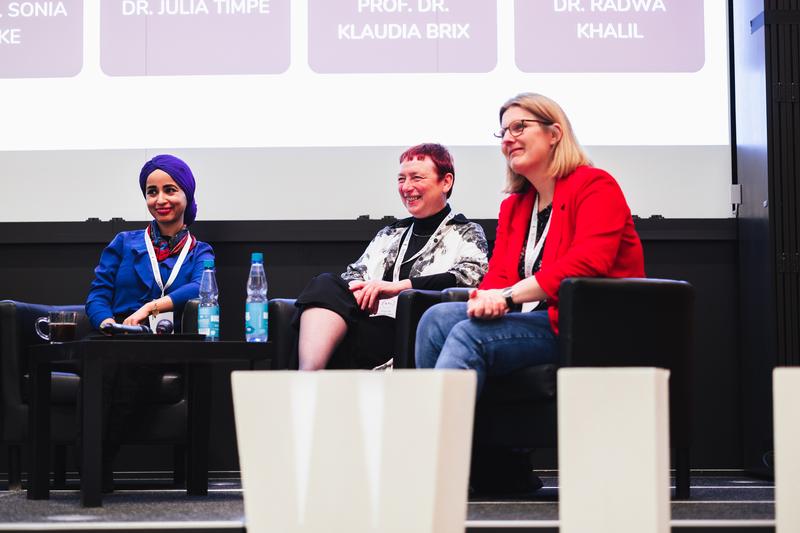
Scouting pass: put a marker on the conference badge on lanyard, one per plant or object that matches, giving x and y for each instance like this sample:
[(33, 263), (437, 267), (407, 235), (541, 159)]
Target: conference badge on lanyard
[(388, 306), (169, 315)]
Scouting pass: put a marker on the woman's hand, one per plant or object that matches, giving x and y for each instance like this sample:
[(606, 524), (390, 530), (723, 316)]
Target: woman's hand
[(369, 293), (104, 322), (139, 316), (486, 305)]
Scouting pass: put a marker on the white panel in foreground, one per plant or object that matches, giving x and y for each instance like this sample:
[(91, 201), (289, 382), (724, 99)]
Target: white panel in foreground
[(354, 451), (613, 450), (786, 402)]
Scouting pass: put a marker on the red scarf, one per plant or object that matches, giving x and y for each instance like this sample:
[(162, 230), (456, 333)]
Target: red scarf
[(165, 247)]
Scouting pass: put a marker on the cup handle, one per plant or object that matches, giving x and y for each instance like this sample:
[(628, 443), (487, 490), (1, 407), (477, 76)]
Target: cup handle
[(40, 320)]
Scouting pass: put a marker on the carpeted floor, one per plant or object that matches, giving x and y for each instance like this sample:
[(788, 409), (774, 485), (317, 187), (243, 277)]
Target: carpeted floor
[(718, 497), (725, 498)]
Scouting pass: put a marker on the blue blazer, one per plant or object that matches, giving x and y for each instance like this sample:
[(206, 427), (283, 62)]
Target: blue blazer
[(124, 282)]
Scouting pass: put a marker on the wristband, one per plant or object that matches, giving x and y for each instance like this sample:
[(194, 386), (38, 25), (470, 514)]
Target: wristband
[(154, 310)]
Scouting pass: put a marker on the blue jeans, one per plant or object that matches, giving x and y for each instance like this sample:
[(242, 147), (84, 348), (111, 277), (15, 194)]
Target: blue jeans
[(446, 338)]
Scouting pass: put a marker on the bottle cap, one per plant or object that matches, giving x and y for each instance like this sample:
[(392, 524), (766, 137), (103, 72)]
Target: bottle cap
[(208, 263), (256, 257)]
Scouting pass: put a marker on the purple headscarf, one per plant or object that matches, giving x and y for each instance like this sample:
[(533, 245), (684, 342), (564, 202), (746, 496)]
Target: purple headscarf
[(178, 171)]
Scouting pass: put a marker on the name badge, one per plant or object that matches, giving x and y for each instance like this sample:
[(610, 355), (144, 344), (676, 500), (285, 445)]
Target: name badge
[(387, 307)]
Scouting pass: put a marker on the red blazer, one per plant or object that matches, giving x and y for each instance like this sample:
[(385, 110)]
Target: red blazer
[(591, 235)]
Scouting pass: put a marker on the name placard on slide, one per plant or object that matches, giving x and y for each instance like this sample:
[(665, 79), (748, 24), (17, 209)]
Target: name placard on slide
[(194, 37), (609, 35), (42, 39), (404, 36)]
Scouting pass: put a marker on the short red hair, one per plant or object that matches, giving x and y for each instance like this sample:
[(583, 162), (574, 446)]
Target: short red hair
[(438, 154)]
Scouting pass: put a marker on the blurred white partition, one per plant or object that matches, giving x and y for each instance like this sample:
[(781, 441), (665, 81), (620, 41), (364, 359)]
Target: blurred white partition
[(786, 409), (613, 450), (354, 451)]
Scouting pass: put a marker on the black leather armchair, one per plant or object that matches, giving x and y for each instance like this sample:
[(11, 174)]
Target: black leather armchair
[(602, 322), (166, 415)]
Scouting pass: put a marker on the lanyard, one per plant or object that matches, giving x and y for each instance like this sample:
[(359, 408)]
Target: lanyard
[(532, 250), (534, 247), (404, 246), (175, 269)]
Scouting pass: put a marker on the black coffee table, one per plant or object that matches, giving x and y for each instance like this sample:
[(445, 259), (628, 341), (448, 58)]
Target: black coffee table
[(197, 355)]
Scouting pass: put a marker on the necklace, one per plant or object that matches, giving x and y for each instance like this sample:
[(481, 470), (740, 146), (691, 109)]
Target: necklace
[(419, 235)]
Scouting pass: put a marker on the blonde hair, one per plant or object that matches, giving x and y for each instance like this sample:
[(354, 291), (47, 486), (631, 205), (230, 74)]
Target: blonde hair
[(567, 154)]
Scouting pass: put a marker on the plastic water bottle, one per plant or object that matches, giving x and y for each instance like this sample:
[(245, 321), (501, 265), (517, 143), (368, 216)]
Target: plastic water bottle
[(208, 314), (256, 315)]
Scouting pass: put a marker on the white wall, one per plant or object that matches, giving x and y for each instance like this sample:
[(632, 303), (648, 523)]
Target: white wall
[(335, 183)]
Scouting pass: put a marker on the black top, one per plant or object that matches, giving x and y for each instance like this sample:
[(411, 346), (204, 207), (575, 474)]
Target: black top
[(421, 232), (543, 215)]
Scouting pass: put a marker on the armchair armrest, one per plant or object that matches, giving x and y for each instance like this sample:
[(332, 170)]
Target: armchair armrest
[(189, 317), (456, 294), (281, 333), (606, 322), (411, 304)]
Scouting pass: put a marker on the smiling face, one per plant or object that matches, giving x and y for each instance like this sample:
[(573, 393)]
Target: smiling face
[(422, 190), (529, 153), (165, 201)]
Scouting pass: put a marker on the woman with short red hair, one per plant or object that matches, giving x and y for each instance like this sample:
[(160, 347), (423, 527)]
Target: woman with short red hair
[(347, 320)]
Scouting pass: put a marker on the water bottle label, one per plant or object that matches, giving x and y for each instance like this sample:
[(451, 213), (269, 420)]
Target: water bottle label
[(208, 322), (256, 316)]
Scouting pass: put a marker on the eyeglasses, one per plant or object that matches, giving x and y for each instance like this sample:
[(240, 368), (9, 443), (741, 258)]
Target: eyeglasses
[(518, 126)]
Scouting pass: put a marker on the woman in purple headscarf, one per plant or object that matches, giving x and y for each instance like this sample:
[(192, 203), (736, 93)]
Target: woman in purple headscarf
[(136, 277), (146, 274)]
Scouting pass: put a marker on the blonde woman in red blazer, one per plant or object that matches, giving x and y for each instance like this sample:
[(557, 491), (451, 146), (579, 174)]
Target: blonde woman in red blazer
[(563, 218)]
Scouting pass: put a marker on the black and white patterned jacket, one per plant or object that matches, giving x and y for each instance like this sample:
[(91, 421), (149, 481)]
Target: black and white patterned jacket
[(458, 246)]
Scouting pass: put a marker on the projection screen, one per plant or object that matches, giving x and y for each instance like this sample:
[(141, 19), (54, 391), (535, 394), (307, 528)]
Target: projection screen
[(299, 109)]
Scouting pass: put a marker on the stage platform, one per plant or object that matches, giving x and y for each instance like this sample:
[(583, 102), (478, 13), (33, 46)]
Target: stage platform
[(722, 502)]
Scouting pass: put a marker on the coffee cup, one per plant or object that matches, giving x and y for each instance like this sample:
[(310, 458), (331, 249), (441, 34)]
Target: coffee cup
[(62, 326)]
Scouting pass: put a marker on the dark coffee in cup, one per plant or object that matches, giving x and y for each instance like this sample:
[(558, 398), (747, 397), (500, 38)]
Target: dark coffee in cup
[(62, 326), (62, 331)]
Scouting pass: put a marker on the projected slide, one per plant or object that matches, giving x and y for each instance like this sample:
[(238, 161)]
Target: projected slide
[(296, 73), (41, 39), (174, 37), (315, 99), (402, 36), (609, 35)]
